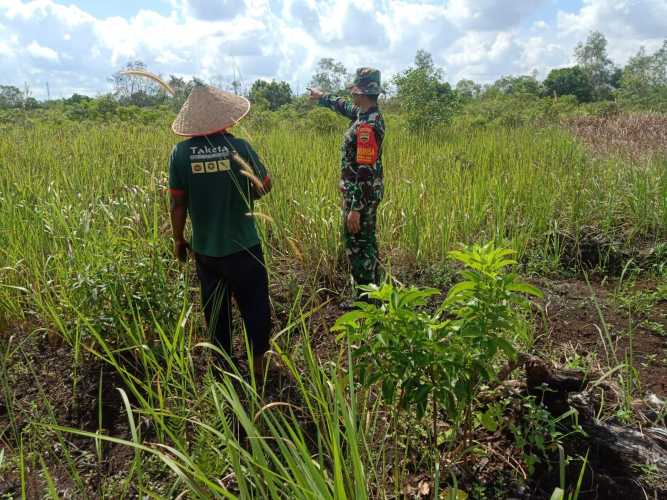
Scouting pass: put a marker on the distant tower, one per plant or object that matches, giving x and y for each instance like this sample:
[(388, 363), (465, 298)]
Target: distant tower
[(48, 92)]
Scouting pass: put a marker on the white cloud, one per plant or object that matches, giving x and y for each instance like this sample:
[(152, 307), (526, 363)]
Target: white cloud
[(39, 52), (304, 12), (45, 40), (539, 25), (541, 55), (474, 48), (361, 28), (644, 18), (483, 55), (213, 10), (627, 24), (489, 14), (6, 50)]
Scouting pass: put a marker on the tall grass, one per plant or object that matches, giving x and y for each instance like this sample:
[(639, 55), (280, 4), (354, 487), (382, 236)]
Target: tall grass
[(218, 436), (85, 252), (72, 198)]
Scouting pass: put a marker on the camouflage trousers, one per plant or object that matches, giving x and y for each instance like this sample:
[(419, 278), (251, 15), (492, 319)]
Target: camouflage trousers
[(362, 248)]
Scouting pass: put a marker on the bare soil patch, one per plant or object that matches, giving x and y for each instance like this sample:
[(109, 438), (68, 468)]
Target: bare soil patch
[(578, 314), (45, 388)]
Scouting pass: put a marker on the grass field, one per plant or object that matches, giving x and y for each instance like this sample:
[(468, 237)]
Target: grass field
[(103, 185), (86, 267)]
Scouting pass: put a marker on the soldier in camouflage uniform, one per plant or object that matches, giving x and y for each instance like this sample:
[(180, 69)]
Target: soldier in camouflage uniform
[(362, 182)]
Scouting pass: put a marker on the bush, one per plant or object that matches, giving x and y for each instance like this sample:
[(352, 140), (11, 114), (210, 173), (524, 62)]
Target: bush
[(504, 111), (569, 81), (426, 99), (564, 105), (444, 356), (324, 121), (121, 298), (600, 109)]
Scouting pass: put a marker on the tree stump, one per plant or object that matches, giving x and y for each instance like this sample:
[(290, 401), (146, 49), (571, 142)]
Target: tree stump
[(622, 456)]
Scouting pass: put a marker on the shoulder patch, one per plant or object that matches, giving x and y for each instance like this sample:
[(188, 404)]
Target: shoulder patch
[(367, 148)]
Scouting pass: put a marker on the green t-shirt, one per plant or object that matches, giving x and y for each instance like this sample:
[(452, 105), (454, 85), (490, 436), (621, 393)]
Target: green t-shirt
[(219, 197)]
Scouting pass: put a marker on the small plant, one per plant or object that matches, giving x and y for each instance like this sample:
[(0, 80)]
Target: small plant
[(535, 431), (442, 357), (655, 327), (649, 472), (397, 343), (493, 417), (640, 302), (538, 433), (658, 259), (572, 493), (576, 361)]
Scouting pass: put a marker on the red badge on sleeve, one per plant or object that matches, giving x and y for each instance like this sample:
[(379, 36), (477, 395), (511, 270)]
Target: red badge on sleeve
[(367, 146)]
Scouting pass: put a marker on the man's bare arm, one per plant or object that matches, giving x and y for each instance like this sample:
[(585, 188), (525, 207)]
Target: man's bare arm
[(178, 214)]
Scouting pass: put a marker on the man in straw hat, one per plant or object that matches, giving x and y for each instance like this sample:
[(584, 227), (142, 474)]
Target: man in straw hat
[(215, 177), (361, 182)]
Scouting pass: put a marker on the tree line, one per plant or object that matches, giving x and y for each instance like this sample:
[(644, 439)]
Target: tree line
[(421, 92)]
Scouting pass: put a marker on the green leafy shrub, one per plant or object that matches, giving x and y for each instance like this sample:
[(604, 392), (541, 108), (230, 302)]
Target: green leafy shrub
[(427, 100), (324, 121), (536, 433), (122, 297), (504, 111), (443, 356), (602, 109)]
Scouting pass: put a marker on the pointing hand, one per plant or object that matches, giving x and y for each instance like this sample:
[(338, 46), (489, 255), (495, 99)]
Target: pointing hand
[(315, 94)]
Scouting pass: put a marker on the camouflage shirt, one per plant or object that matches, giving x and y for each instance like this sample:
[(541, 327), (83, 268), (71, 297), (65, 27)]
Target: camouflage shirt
[(361, 185)]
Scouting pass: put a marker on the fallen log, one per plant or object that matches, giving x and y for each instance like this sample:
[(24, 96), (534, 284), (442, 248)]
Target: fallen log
[(621, 455)]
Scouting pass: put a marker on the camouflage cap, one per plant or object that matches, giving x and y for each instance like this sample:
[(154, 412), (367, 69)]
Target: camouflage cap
[(366, 82)]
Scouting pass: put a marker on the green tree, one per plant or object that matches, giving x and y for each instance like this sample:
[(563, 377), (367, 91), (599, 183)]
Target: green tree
[(616, 77), (516, 85), (133, 90), (182, 89), (468, 90), (424, 61), (569, 81), (30, 103), (423, 96), (644, 79), (10, 97), (593, 60), (274, 94), (77, 99), (331, 76), (180, 86)]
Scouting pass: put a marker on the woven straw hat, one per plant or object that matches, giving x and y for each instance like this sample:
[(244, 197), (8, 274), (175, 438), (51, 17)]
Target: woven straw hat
[(208, 110)]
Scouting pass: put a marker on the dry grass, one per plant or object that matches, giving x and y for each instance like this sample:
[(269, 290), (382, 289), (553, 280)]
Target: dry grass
[(638, 137), (147, 74)]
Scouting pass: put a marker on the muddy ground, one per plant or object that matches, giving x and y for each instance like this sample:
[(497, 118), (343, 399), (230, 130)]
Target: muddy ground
[(38, 368)]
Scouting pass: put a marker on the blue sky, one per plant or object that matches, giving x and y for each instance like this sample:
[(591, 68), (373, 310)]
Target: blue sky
[(122, 8), (75, 45)]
